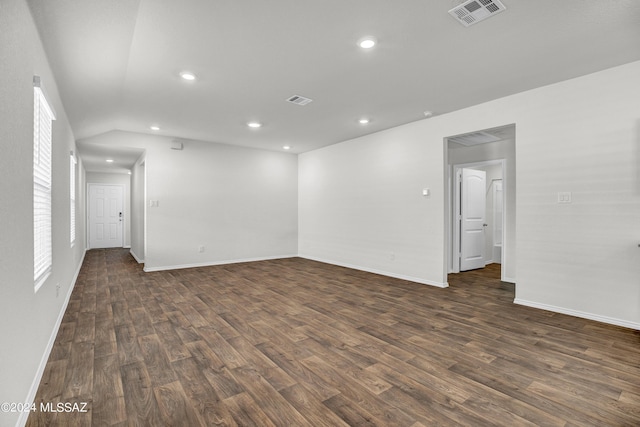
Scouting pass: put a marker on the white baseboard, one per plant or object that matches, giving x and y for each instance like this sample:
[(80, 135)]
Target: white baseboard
[(22, 420), (355, 267), (212, 263), (136, 257), (380, 272), (576, 313)]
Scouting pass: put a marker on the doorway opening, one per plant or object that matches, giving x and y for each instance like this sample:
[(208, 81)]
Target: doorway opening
[(480, 216), (478, 220)]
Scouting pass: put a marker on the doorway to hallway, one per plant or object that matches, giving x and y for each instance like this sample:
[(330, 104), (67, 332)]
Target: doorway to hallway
[(480, 206), (477, 215)]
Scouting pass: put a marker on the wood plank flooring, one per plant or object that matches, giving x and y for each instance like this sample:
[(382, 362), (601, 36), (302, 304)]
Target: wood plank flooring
[(294, 342)]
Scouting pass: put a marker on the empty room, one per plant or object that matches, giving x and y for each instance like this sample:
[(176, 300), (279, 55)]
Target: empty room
[(337, 213)]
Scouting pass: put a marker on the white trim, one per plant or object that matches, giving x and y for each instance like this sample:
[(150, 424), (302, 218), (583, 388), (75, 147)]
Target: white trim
[(136, 257), (73, 190), (576, 313), (508, 280), (37, 84), (380, 272), (354, 267), (212, 263), (31, 395), (142, 164)]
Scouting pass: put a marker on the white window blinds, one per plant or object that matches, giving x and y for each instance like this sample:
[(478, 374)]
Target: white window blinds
[(42, 185)]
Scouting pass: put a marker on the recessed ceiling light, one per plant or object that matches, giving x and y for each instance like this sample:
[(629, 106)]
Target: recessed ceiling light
[(188, 75), (109, 160), (254, 125), (286, 147), (154, 128), (428, 114), (367, 42), (364, 121)]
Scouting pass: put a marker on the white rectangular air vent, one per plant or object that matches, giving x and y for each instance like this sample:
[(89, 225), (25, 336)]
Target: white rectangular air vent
[(474, 138), (299, 100), (473, 11)]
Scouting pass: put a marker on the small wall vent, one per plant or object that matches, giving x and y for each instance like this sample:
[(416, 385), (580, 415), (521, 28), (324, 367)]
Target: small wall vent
[(299, 100), (473, 11), (474, 138)]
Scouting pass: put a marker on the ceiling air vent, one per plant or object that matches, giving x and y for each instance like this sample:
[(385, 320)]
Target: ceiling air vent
[(299, 100), (473, 11), (474, 138)]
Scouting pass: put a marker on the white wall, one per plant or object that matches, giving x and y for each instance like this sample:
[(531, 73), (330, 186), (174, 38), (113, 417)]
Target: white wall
[(361, 203), (239, 203), (581, 136), (138, 209), (360, 200), (28, 319)]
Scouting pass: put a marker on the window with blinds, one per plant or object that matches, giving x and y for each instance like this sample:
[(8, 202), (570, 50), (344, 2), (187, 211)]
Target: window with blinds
[(72, 198), (42, 185)]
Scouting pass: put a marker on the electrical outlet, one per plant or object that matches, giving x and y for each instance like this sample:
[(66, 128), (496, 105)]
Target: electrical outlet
[(564, 197), (200, 249), (57, 290)]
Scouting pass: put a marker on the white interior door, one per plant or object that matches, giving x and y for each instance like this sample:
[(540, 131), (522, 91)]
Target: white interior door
[(105, 216), (473, 200)]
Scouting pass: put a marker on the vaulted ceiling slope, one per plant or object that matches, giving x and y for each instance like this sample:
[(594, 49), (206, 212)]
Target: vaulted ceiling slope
[(118, 62)]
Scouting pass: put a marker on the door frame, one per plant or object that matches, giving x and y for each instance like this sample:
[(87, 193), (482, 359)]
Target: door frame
[(88, 219), (454, 206)]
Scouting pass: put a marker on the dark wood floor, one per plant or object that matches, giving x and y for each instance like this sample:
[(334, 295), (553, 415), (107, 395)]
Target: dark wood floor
[(298, 343)]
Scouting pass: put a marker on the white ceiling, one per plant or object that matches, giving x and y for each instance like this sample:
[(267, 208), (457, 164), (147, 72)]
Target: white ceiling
[(117, 62)]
